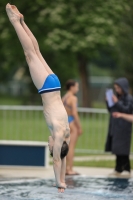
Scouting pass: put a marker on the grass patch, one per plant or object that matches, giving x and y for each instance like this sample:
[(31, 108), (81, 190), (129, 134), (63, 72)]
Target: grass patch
[(10, 100), (99, 163), (30, 125), (92, 154), (94, 163)]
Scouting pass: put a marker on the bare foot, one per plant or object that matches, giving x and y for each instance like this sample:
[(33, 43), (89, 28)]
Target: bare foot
[(15, 9), (61, 190), (69, 173), (13, 17)]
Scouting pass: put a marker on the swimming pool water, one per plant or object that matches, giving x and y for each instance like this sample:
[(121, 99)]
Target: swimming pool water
[(79, 188)]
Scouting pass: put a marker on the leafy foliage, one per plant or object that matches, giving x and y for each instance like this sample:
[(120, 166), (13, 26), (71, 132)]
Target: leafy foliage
[(69, 31)]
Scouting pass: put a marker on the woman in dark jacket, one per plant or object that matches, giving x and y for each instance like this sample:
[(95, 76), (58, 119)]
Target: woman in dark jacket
[(119, 134)]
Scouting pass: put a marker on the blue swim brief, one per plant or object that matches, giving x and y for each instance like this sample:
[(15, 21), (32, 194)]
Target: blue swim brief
[(70, 119), (51, 84)]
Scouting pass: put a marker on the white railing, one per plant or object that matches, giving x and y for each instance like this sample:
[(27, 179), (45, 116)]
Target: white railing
[(27, 123)]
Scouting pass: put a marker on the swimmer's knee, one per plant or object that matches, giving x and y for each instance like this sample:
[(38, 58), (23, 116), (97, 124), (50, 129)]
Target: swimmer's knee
[(29, 55), (37, 49)]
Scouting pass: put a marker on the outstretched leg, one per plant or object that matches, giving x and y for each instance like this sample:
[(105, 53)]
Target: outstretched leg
[(37, 70), (34, 41), (36, 46)]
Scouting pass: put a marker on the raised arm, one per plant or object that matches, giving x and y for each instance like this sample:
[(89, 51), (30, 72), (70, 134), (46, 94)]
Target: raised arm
[(63, 164), (57, 162), (63, 171)]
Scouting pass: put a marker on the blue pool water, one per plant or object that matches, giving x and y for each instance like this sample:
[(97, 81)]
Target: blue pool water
[(79, 188)]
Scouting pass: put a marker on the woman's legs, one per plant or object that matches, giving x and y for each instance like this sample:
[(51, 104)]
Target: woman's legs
[(118, 166), (126, 163), (122, 163), (37, 70), (70, 156)]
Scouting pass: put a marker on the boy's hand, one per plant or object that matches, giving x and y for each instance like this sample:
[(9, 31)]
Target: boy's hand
[(62, 187), (115, 99)]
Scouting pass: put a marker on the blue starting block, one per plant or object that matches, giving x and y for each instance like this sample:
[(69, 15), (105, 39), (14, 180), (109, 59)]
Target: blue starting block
[(24, 153)]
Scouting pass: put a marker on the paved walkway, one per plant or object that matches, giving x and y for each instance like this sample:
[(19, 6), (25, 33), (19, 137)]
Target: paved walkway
[(16, 172), (95, 157), (36, 172)]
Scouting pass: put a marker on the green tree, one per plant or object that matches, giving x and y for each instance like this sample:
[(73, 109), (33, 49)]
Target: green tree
[(11, 53), (125, 41), (70, 33), (82, 28)]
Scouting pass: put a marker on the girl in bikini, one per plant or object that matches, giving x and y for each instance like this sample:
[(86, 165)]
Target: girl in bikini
[(48, 86), (70, 102)]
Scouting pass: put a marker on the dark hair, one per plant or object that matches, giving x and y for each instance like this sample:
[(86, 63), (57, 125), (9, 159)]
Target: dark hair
[(70, 83), (64, 150)]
